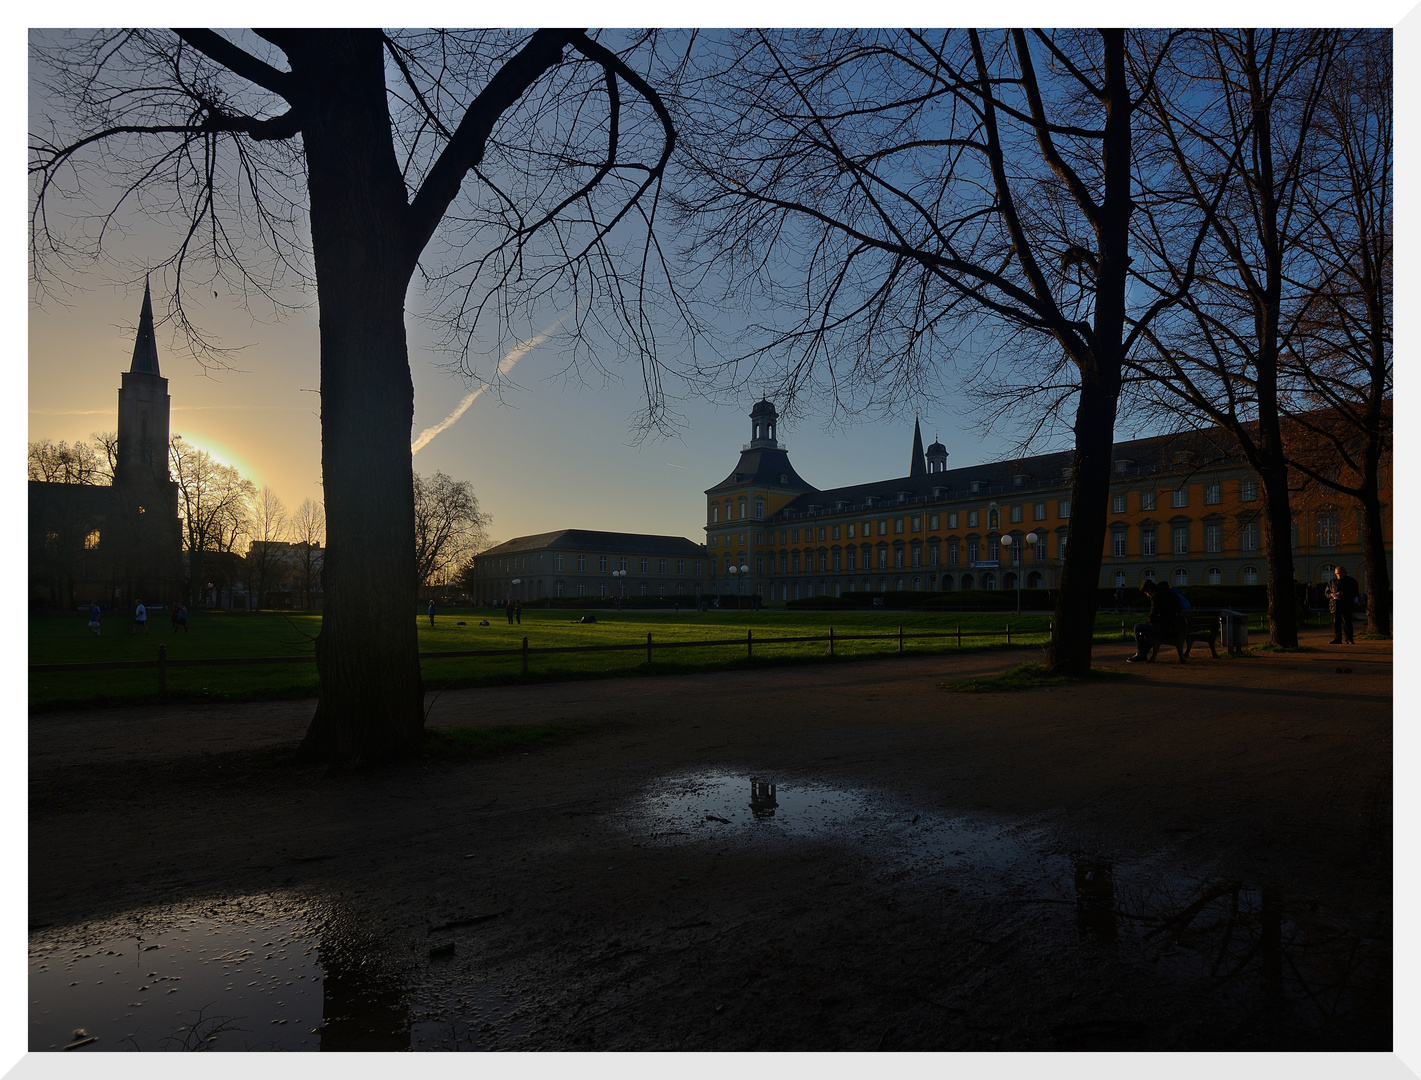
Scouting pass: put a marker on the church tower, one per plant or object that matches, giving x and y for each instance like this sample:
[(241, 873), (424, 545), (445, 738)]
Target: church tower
[(143, 410)]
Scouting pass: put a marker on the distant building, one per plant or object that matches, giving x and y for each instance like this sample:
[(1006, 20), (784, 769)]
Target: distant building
[(119, 543), (584, 563), (1183, 508)]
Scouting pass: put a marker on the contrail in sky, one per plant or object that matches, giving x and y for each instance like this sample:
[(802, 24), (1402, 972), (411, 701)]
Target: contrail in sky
[(511, 357)]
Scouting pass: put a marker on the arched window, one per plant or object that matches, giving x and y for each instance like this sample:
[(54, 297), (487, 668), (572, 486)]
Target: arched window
[(989, 580), (1009, 580), (557, 588), (917, 584), (759, 509), (1248, 575), (1033, 579), (882, 584), (1181, 576), (715, 513), (1324, 572), (947, 583), (1214, 576), (1119, 579), (1148, 575), (742, 508), (967, 582), (994, 520)]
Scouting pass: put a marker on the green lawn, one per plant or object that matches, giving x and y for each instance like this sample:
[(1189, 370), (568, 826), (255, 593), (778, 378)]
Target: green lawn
[(64, 639)]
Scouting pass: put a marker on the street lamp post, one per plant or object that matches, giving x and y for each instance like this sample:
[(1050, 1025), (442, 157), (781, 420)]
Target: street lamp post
[(619, 578), (741, 587), (1016, 559)]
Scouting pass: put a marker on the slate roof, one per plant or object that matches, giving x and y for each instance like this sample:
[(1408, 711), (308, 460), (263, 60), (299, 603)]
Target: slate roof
[(603, 542), (763, 467), (1181, 453), (145, 345)]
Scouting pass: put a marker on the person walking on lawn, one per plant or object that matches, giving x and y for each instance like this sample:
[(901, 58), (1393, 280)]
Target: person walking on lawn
[(1165, 611), (94, 619), (431, 614), (1341, 596), (140, 618)]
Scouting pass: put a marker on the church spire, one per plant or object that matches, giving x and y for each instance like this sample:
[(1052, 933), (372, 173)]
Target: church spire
[(918, 466), (145, 346)]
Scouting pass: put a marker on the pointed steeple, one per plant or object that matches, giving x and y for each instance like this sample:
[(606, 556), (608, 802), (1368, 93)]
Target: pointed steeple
[(145, 346), (919, 465)]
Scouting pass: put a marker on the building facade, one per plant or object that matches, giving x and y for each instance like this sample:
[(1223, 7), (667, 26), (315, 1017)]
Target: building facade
[(1183, 508), (581, 563), (118, 543)]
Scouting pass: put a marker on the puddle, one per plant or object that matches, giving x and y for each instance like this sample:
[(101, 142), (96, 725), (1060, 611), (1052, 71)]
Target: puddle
[(1242, 942), (257, 973)]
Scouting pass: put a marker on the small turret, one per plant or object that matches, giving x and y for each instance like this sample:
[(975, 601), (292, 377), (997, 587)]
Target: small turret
[(937, 457), (762, 426)]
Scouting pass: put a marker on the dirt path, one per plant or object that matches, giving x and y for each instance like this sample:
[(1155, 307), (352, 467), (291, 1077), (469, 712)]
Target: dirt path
[(956, 903)]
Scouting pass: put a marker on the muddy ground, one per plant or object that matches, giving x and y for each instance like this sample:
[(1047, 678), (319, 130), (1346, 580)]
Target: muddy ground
[(1196, 857)]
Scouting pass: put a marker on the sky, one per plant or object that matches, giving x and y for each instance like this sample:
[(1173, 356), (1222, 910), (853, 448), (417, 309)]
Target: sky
[(544, 454)]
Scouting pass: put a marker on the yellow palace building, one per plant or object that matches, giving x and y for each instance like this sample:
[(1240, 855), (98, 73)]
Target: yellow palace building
[(1183, 508)]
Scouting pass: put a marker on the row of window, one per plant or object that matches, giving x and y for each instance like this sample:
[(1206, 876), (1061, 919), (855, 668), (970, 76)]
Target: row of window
[(974, 518), (737, 504), (1212, 575), (899, 557)]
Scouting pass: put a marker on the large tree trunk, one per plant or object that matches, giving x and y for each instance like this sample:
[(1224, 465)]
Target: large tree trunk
[(1073, 628), (1374, 555), (1278, 554), (371, 698)]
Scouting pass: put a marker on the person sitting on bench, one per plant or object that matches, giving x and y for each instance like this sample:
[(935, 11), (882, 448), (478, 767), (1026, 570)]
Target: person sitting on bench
[(1165, 612)]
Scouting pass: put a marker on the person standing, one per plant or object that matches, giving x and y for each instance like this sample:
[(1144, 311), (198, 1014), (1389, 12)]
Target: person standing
[(431, 614), (518, 612), (181, 617), (94, 619), (140, 618), (1341, 596), (508, 610)]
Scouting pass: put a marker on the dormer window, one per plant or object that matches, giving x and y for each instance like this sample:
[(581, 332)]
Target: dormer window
[(978, 486), (784, 478)]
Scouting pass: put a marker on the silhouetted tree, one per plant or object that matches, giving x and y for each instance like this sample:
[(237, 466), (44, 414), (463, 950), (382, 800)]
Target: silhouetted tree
[(906, 194), (266, 554), (1340, 433), (214, 507), (1238, 107), (448, 526), (308, 533), (543, 151)]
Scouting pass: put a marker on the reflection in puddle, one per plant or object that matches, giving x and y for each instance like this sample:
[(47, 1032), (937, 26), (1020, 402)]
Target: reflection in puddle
[(1246, 944), (259, 973)]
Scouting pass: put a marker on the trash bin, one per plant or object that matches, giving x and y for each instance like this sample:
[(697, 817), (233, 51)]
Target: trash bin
[(1233, 630)]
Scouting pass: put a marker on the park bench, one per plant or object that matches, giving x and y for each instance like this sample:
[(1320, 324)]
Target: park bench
[(1191, 627)]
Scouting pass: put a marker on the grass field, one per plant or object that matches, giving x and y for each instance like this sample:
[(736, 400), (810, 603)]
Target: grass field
[(65, 639)]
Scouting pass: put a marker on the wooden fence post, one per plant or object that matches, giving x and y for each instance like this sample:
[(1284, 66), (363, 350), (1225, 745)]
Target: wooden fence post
[(959, 635), (648, 648), (831, 641), (525, 656), (162, 669), (1008, 633), (749, 645), (900, 639), (1122, 629)]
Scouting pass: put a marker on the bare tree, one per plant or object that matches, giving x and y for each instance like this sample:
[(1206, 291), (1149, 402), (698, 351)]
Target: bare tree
[(908, 194), (448, 526), (543, 151), (60, 463), (1239, 106), (1340, 430), (266, 556), (214, 506), (308, 532)]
